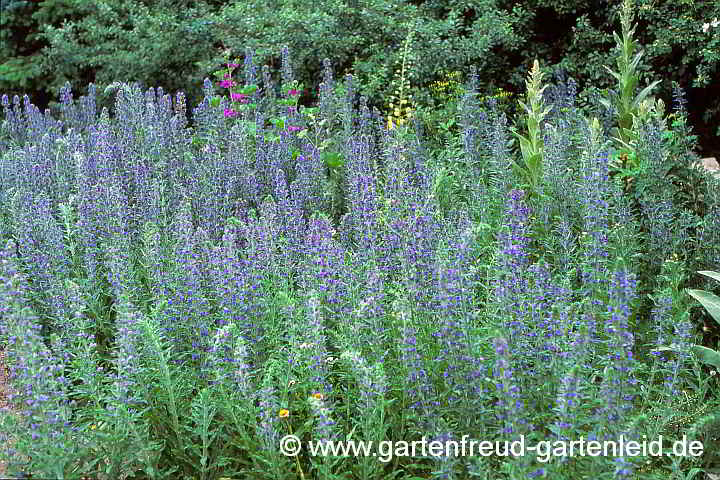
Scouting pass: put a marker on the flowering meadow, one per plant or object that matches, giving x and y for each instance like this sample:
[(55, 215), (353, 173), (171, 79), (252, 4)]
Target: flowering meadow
[(175, 299)]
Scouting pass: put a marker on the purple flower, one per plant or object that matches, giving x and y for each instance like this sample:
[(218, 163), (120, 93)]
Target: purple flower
[(35, 372), (287, 72), (128, 358), (227, 83), (567, 402), (595, 192), (325, 268), (360, 225), (250, 68), (618, 386), (419, 390), (510, 405), (514, 242)]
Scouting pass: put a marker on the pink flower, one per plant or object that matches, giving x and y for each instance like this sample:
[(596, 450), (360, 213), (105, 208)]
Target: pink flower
[(239, 97), (293, 92), (227, 84), (227, 75), (292, 109), (294, 128), (229, 113), (232, 65)]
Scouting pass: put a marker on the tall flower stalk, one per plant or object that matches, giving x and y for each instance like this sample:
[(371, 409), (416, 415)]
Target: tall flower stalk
[(626, 104), (531, 147)]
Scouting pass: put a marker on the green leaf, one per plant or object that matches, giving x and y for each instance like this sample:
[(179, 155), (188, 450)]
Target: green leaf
[(644, 93), (707, 355), (333, 159), (215, 101), (606, 103), (710, 301), (248, 89), (713, 275), (613, 73), (112, 87), (250, 126), (278, 122)]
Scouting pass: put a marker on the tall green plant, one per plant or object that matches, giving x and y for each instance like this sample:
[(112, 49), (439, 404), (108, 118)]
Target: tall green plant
[(626, 104), (531, 146)]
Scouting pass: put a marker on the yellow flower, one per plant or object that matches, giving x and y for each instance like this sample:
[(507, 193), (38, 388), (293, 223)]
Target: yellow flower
[(318, 395), (284, 413)]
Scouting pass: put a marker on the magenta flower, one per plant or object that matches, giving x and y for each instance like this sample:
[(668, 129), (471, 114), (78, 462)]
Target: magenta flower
[(294, 128), (227, 75), (238, 97), (292, 109), (232, 65), (227, 84), (229, 112), (294, 92)]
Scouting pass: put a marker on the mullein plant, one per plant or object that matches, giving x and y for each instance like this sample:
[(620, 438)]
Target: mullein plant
[(401, 100), (531, 146), (711, 303), (626, 103)]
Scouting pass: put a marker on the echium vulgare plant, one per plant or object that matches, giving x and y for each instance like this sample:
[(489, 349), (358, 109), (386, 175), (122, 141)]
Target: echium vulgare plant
[(47, 442), (208, 289)]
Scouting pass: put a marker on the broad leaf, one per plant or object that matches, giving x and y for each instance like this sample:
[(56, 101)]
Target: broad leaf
[(713, 275), (707, 355), (710, 301)]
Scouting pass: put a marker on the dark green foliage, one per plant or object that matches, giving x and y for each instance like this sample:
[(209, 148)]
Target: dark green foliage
[(176, 44), (367, 39), (51, 42), (21, 40)]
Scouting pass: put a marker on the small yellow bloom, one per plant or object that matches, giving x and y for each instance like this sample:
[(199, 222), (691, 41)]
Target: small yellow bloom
[(93, 427), (284, 413), (318, 395)]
